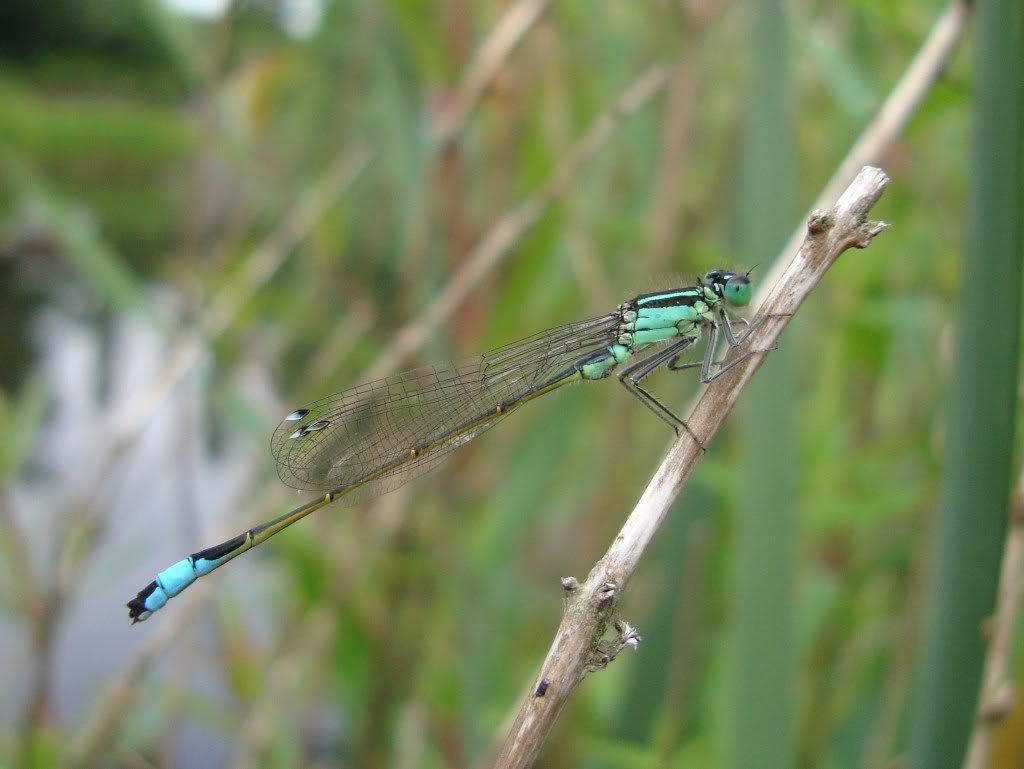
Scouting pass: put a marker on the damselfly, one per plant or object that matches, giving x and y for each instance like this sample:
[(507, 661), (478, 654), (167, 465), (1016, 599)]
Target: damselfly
[(374, 437)]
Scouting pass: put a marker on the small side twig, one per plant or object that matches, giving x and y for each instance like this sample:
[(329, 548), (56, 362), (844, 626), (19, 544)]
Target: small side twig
[(590, 608), (997, 694)]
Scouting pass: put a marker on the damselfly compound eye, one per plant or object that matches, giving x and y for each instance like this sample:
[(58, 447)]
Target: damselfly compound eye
[(296, 415), (738, 290)]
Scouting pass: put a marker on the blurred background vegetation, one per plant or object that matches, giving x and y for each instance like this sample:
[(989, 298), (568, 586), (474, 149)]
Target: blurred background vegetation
[(211, 212)]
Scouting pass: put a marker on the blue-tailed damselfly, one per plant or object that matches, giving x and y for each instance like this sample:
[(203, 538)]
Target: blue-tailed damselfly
[(374, 437)]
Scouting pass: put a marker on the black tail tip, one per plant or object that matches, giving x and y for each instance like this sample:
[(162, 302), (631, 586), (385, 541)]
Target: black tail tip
[(137, 611)]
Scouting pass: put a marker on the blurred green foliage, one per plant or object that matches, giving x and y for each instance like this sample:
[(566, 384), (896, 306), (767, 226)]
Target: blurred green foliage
[(985, 387), (146, 157)]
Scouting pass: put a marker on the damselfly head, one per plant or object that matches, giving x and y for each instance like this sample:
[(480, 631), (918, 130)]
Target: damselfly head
[(733, 287)]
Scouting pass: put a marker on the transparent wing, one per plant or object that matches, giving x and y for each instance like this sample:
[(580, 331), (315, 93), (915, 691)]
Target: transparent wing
[(346, 439)]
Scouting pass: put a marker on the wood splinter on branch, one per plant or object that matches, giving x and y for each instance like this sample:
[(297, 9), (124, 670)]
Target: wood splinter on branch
[(579, 644)]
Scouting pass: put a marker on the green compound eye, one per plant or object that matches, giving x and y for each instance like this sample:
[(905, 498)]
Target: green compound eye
[(738, 290)]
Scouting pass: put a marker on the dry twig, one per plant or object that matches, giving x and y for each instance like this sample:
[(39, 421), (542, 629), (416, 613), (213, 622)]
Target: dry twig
[(589, 606)]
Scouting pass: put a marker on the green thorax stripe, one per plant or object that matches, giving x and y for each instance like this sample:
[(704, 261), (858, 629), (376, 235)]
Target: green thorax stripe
[(674, 298)]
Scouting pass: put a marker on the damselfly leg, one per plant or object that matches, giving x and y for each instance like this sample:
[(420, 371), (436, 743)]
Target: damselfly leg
[(734, 341), (632, 376)]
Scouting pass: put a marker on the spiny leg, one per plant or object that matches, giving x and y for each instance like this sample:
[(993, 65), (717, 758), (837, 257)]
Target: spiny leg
[(705, 370), (733, 340), (709, 353), (736, 341), (706, 363), (675, 365), (660, 409), (642, 369), (709, 359), (632, 376)]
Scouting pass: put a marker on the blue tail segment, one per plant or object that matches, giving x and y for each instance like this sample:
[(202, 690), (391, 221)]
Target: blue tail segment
[(179, 576)]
